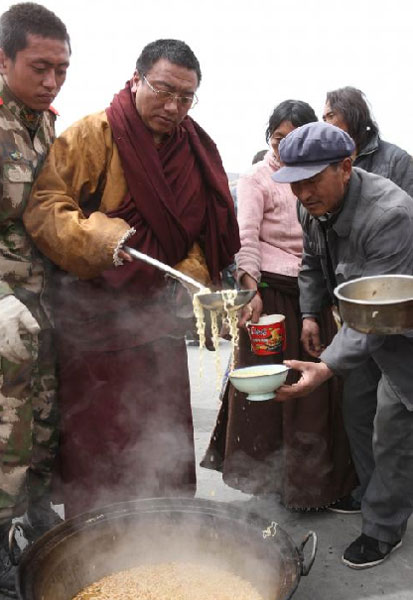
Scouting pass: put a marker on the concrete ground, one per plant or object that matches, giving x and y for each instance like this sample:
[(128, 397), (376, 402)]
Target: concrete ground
[(328, 579)]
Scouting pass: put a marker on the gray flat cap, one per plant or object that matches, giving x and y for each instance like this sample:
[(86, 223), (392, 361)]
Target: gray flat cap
[(310, 149)]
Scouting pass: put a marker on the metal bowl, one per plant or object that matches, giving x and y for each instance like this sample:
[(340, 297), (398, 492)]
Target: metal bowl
[(215, 300), (380, 304)]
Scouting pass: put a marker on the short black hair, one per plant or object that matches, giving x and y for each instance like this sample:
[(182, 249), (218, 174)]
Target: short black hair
[(296, 111), (176, 51), (352, 104), (29, 18)]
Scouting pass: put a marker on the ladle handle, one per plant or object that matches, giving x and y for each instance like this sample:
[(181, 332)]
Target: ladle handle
[(160, 265), (305, 567)]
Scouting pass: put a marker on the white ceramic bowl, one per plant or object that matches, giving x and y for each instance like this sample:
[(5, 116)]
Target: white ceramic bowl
[(259, 382)]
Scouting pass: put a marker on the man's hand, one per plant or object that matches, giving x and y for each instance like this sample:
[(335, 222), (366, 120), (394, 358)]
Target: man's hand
[(310, 337), (251, 311), (14, 319), (125, 256), (312, 375)]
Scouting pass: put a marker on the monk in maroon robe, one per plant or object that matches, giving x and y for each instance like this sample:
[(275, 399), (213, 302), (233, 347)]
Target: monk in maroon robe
[(144, 174)]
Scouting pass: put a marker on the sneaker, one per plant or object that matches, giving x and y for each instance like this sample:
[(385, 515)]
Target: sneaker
[(347, 506), (367, 552)]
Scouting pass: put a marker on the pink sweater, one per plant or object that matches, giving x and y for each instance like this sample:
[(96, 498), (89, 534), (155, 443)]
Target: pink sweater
[(271, 236)]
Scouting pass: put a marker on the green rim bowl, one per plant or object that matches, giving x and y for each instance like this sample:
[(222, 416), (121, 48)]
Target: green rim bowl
[(260, 381)]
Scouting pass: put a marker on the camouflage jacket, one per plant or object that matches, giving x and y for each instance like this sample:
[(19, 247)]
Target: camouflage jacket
[(21, 266)]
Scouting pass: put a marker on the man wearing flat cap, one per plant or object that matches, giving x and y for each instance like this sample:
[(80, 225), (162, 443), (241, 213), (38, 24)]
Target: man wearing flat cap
[(356, 224)]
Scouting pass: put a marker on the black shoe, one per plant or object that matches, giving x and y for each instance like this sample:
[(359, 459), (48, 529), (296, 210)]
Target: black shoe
[(7, 570), (367, 552), (38, 519), (347, 505)]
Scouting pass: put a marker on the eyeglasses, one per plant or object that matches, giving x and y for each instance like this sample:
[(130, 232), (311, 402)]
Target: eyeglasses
[(164, 96)]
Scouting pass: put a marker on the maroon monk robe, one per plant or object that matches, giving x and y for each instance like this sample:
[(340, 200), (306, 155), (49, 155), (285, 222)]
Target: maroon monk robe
[(124, 388), (180, 190)]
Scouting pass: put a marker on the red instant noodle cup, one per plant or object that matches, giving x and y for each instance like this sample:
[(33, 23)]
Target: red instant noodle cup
[(268, 335)]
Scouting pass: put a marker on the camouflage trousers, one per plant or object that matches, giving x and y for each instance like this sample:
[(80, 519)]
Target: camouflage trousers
[(28, 426)]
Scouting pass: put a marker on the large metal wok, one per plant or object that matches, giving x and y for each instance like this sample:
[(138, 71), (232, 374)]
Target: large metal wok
[(380, 304), (121, 536)]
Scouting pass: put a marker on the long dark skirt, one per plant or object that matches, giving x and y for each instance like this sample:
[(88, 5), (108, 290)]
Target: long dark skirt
[(297, 449), (126, 425)]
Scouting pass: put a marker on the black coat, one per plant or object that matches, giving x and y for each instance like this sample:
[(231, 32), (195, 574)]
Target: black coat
[(387, 160)]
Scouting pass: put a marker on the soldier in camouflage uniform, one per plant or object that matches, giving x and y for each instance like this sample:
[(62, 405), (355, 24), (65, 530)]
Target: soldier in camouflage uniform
[(34, 56)]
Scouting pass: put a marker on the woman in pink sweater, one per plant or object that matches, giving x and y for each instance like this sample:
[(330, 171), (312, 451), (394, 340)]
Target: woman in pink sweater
[(297, 449)]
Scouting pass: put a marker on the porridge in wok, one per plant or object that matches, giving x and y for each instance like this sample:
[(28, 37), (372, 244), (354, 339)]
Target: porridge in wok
[(173, 580)]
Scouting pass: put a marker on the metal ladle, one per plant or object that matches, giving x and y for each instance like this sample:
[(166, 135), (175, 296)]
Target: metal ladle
[(209, 300)]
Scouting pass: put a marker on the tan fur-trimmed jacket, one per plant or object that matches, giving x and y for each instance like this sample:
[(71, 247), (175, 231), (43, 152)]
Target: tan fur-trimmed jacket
[(81, 181)]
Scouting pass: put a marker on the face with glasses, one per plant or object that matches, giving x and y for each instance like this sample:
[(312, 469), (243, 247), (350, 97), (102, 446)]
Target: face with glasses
[(283, 129), (164, 96)]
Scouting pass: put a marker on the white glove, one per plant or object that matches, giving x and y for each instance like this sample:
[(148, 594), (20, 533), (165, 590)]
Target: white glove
[(15, 318)]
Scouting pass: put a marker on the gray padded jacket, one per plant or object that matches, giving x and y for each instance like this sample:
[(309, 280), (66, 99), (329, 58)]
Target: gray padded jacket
[(387, 160)]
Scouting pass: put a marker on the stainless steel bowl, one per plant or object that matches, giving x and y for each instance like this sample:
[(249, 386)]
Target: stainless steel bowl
[(215, 300), (380, 304)]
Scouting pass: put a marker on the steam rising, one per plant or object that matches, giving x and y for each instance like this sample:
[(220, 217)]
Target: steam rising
[(152, 533), (125, 398)]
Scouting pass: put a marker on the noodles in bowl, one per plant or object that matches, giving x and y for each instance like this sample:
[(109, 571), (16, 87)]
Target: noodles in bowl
[(259, 381)]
